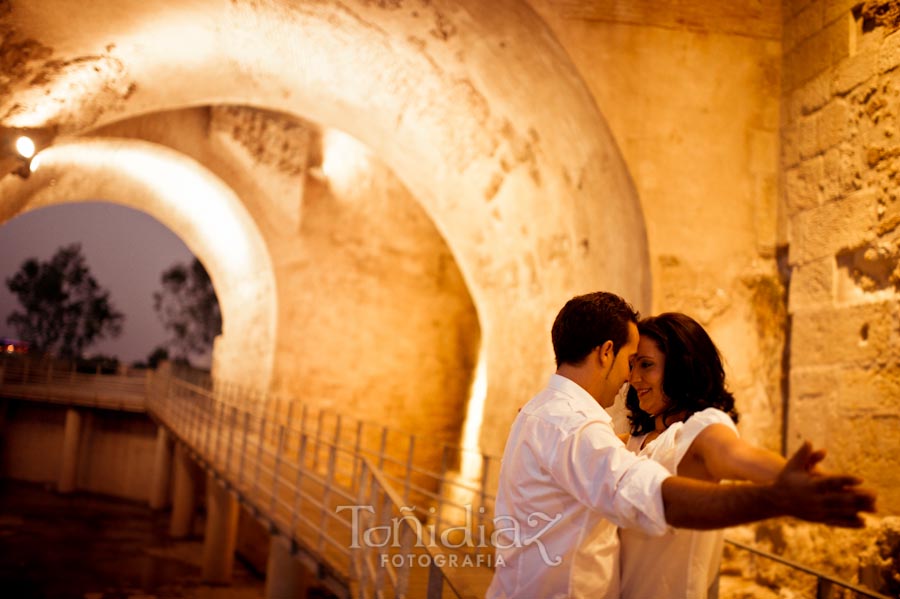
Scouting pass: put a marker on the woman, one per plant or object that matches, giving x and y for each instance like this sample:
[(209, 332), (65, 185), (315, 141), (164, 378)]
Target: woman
[(682, 416)]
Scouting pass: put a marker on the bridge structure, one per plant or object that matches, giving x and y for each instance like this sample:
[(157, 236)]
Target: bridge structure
[(358, 504), (355, 503)]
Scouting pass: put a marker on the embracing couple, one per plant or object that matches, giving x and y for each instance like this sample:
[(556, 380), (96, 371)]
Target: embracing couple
[(637, 517)]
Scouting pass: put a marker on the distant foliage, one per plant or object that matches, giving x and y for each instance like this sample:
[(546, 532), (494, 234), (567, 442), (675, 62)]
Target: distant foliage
[(64, 309), (188, 308)]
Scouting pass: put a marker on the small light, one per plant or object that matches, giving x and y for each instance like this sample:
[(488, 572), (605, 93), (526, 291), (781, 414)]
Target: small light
[(25, 147), (343, 156), (34, 163)]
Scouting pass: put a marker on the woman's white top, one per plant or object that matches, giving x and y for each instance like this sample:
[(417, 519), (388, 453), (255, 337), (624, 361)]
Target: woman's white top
[(681, 564)]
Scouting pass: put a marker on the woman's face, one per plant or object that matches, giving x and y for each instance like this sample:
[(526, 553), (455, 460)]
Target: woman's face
[(647, 376)]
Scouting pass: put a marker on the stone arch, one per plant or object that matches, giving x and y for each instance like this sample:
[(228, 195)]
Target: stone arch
[(190, 201), (474, 105)]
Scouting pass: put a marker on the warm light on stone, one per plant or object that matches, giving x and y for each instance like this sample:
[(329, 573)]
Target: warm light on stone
[(394, 198)]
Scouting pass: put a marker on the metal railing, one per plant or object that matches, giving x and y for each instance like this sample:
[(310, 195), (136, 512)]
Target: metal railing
[(58, 382), (332, 484), (826, 584)]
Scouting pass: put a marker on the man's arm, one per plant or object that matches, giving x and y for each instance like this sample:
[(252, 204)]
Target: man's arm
[(798, 491)]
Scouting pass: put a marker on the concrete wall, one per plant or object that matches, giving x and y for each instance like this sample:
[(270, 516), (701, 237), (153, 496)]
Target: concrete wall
[(115, 453), (32, 442)]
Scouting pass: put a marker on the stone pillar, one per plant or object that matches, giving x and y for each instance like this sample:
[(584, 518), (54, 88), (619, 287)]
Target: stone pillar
[(162, 470), (284, 574), (221, 532), (184, 494), (68, 470)]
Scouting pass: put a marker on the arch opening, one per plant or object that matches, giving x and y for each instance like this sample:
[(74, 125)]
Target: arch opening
[(193, 204), (127, 260)]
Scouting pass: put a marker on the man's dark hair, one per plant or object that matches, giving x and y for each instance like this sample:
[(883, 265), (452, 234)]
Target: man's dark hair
[(589, 321), (693, 377)]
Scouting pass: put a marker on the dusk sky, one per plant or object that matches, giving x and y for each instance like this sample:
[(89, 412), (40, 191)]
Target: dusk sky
[(126, 251)]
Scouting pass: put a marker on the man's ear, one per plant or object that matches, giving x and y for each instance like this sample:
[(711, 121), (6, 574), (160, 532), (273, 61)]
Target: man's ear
[(605, 353)]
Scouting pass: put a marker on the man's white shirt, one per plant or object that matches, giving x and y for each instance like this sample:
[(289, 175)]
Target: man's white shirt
[(566, 483)]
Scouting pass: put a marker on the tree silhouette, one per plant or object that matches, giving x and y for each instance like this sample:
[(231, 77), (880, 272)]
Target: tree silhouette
[(65, 310), (188, 308)]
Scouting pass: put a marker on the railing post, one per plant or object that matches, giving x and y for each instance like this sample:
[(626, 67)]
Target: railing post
[(409, 468), (382, 447), (335, 443), (259, 448), (231, 428), (303, 414), (482, 499), (441, 489), (290, 416), (406, 551), (298, 493), (823, 588), (383, 519), (208, 422), (329, 482), (435, 582), (361, 553), (356, 449), (243, 449), (192, 421), (318, 441), (219, 408), (272, 503)]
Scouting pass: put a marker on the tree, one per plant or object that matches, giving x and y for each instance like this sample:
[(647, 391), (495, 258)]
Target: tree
[(65, 309), (188, 308)]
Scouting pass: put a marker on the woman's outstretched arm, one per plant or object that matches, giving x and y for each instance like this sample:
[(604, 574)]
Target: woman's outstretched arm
[(726, 456)]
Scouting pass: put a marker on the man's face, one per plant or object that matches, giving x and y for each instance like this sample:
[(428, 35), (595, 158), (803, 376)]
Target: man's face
[(619, 372)]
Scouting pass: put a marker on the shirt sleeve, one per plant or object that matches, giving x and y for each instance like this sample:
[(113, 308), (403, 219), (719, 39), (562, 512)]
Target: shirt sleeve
[(593, 465), (694, 425)]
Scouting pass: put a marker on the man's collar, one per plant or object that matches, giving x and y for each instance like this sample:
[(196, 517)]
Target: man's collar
[(581, 399)]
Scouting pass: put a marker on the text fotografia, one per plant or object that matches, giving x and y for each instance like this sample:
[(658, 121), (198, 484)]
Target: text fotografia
[(506, 536)]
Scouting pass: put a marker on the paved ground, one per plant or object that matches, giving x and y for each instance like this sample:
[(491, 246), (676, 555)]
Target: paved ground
[(84, 546)]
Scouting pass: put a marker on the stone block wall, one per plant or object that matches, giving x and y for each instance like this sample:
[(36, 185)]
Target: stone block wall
[(840, 209)]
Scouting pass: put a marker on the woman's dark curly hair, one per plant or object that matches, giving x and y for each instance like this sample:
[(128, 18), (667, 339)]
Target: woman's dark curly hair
[(693, 379)]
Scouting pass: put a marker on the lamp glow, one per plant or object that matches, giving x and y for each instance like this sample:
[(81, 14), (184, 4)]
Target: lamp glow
[(25, 146), (343, 156), (470, 469)]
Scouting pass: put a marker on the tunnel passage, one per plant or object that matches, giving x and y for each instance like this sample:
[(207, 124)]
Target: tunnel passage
[(375, 321), (475, 107)]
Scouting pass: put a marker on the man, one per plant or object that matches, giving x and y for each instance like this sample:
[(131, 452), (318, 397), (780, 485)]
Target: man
[(567, 481)]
